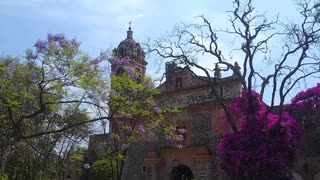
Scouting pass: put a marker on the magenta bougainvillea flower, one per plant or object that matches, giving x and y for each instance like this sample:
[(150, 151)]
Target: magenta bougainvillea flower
[(305, 101), (263, 148)]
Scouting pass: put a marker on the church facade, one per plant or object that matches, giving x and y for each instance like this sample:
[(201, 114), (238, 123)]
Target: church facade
[(201, 116)]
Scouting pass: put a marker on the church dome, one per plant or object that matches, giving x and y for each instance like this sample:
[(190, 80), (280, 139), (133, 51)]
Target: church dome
[(129, 47)]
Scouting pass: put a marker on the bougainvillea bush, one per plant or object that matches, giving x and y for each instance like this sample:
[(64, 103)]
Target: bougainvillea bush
[(265, 147), (305, 101)]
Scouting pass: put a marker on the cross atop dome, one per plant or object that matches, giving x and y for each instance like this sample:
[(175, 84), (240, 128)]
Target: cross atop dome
[(129, 32)]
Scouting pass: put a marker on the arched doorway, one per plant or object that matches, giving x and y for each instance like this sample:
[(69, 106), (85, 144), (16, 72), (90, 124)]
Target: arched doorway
[(181, 172)]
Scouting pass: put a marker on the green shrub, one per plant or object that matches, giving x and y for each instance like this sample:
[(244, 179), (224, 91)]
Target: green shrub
[(101, 170)]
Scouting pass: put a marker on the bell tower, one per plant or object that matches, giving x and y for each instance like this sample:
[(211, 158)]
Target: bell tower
[(132, 50)]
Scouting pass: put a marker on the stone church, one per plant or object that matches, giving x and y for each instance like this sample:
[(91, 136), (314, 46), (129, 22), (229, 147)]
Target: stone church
[(160, 159)]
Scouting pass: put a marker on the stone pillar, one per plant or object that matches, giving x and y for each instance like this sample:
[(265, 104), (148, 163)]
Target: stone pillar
[(152, 163)]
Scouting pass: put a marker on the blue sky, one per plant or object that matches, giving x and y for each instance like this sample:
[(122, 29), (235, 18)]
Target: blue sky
[(102, 24)]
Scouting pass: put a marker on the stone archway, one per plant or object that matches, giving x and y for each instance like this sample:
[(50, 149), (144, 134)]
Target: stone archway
[(181, 172)]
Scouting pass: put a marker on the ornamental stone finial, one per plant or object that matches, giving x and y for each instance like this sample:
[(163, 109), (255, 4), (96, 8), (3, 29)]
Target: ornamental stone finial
[(217, 71)]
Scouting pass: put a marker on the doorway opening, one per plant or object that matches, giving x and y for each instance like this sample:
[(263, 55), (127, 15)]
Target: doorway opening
[(181, 172)]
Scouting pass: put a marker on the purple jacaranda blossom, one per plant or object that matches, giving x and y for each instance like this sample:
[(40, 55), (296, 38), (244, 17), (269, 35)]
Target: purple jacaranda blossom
[(173, 128), (50, 37), (41, 129), (121, 61), (117, 137), (157, 110), (2, 59), (155, 124), (90, 96), (67, 112), (96, 67), (151, 85), (30, 55), (61, 70), (129, 115), (130, 70), (104, 97), (151, 134), (95, 61), (55, 48), (135, 91), (182, 130), (41, 46), (103, 55), (33, 75), (9, 69), (63, 43), (55, 37), (153, 103), (141, 129), (180, 137), (168, 137), (75, 43), (124, 146)]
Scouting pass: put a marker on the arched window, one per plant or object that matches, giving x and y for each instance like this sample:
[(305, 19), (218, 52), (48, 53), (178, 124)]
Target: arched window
[(138, 75), (139, 53), (179, 83), (121, 52)]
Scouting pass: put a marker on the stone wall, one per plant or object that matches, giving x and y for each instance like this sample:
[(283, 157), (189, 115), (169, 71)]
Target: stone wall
[(201, 129), (134, 163)]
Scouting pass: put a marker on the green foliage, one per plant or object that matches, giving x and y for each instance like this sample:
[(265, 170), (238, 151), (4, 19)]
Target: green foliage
[(3, 176), (78, 155), (101, 170)]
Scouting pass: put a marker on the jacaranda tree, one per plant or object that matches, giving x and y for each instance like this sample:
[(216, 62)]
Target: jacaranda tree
[(134, 114), (46, 96)]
